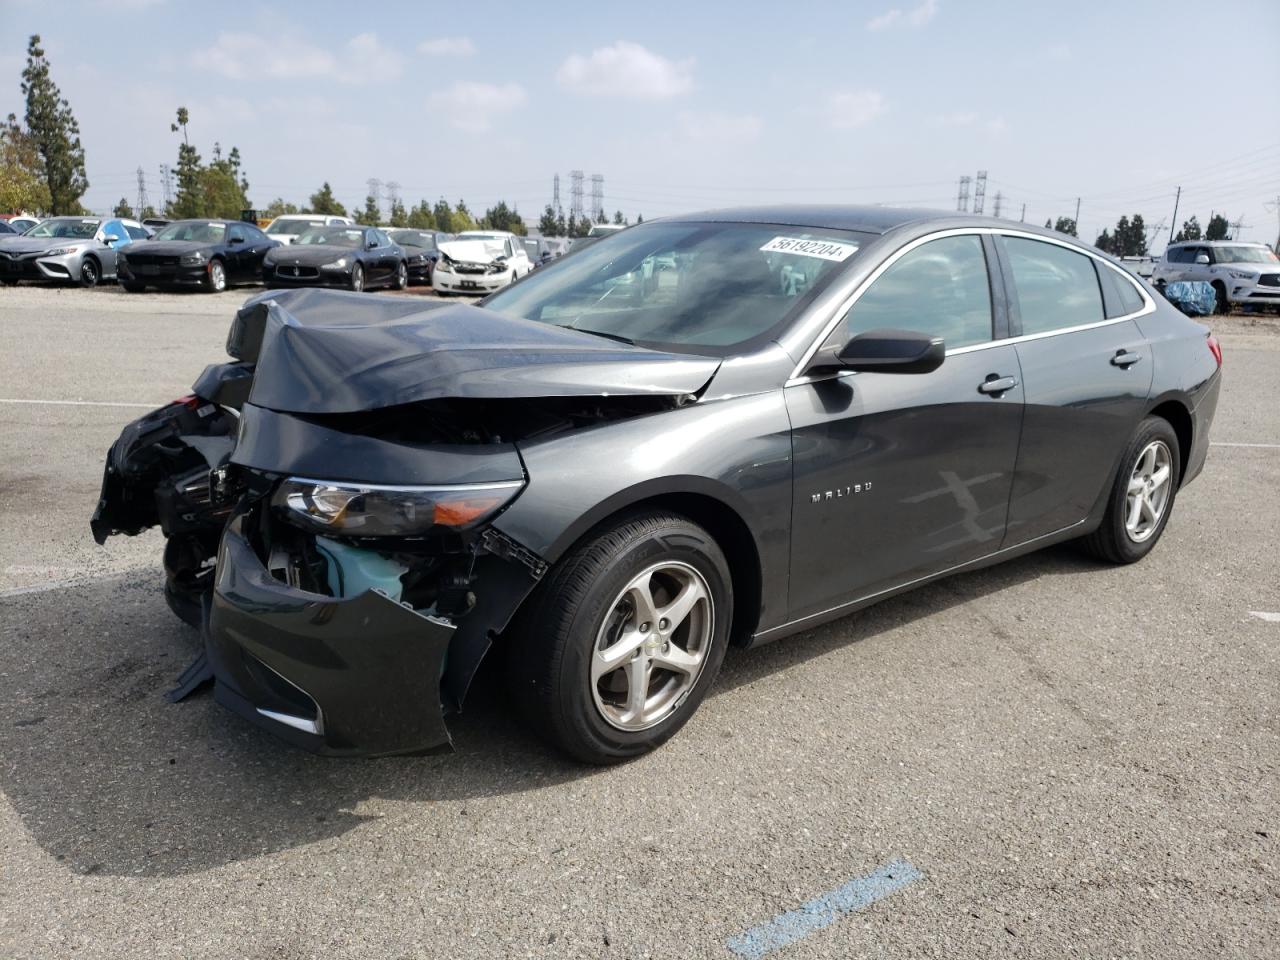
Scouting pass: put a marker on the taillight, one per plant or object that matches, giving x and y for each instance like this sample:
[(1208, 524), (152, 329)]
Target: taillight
[(1215, 348)]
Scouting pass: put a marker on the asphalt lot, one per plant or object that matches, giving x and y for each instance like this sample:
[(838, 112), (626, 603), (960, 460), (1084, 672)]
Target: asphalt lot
[(1078, 760)]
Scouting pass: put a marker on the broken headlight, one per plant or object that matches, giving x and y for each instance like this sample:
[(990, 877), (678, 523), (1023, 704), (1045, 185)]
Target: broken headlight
[(367, 510)]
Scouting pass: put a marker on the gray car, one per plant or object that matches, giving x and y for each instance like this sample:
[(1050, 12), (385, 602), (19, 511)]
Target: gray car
[(703, 432), (80, 250)]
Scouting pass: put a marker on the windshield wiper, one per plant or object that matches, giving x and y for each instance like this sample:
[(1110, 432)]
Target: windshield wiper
[(608, 336)]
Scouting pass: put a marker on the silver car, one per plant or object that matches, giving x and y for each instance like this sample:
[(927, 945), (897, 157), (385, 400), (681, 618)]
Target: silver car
[(68, 250)]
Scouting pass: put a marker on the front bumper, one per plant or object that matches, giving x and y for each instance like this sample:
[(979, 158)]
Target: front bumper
[(282, 277), (64, 269), (473, 283), (353, 677), (162, 275)]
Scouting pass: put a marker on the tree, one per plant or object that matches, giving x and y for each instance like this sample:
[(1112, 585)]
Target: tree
[(1048, 224), (462, 219), (123, 209), (278, 208), (223, 186), (398, 218), (443, 214), (1218, 228), (639, 218), (148, 213), (22, 183), (619, 219), (562, 228), (421, 217), (1190, 231), (1128, 240), (53, 128), (502, 217), (1064, 225), (371, 214), (1104, 242), (189, 199), (547, 222), (323, 201), (603, 218)]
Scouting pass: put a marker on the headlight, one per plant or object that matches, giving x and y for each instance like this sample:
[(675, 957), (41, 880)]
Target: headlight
[(444, 266), (497, 267), (365, 510), (1241, 275), (192, 260), (60, 252), (339, 264)]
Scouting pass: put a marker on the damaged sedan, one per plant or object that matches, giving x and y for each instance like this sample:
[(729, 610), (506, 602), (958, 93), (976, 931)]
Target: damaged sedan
[(701, 432)]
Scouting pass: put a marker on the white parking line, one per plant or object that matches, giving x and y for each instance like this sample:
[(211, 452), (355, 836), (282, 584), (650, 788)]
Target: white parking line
[(84, 403), (1264, 446), (1266, 615)]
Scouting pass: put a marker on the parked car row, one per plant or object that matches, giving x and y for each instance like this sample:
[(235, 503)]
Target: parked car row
[(1241, 273), (81, 250)]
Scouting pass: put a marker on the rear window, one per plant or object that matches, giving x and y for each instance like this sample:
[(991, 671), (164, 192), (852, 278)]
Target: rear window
[(1054, 287)]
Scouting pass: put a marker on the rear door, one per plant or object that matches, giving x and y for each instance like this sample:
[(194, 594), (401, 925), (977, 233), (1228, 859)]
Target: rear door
[(1086, 370), (898, 476)]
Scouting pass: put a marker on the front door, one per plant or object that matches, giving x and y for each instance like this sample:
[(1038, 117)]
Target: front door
[(899, 476)]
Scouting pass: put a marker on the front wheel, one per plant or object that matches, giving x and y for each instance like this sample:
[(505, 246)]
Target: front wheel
[(1141, 496), (133, 287), (216, 279), (1221, 304), (357, 278), (621, 642), (402, 276), (90, 273)]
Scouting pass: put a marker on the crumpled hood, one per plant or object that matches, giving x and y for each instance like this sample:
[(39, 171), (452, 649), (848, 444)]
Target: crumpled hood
[(472, 251), (325, 352)]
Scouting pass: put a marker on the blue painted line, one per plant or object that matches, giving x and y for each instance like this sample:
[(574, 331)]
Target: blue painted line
[(858, 894)]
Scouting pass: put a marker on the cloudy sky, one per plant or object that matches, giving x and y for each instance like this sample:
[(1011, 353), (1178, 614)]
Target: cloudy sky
[(682, 106)]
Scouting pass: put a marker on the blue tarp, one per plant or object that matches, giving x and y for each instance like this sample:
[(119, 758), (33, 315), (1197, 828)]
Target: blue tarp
[(1195, 298)]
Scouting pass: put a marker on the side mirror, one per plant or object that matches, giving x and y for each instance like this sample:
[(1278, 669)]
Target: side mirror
[(235, 240), (110, 239), (1202, 258), (893, 351), (371, 245)]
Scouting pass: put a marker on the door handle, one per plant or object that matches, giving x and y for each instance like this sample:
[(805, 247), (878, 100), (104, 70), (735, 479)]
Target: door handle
[(996, 384), (1124, 359)]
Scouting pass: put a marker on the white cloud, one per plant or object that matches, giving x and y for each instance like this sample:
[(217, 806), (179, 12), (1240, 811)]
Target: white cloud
[(896, 16), (626, 70), (719, 128), (473, 107), (854, 108), (447, 47), (370, 59), (1059, 52), (242, 56)]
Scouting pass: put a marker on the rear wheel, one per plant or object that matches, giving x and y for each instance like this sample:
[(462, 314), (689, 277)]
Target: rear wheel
[(90, 272), (623, 639), (402, 276), (357, 278), (1220, 302), (1141, 496), (216, 279)]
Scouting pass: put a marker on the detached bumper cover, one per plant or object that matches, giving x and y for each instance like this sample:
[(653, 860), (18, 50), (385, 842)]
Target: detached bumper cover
[(354, 677)]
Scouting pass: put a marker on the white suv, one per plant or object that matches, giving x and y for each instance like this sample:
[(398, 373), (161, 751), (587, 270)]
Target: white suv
[(288, 227), (1240, 272)]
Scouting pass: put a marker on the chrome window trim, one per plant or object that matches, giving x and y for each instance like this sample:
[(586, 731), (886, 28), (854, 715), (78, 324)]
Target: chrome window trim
[(846, 304)]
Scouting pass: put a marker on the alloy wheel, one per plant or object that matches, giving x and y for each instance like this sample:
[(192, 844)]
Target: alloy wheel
[(1148, 493), (217, 276), (89, 274), (357, 278), (652, 646), (402, 277)]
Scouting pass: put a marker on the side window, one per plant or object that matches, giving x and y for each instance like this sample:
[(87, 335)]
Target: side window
[(136, 233), (1054, 287), (1130, 297), (237, 232), (939, 288)]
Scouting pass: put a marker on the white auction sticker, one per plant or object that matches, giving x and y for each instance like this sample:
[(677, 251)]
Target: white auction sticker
[(824, 249)]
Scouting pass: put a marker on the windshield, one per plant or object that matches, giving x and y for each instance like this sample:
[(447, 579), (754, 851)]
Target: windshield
[(333, 237), (74, 227), (603, 230), (413, 238), (710, 288), (194, 230), (292, 226), (1243, 254)]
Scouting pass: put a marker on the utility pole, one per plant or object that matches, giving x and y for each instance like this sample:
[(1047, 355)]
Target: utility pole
[(1077, 219), (1023, 218), (979, 191), (962, 199), (1176, 197)]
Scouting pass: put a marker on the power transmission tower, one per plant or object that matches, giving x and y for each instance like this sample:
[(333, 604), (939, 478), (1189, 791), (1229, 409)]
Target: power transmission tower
[(1236, 226), (375, 191), (393, 191), (995, 212), (597, 196), (962, 199), (555, 195), (575, 194), (1152, 233), (142, 194), (166, 184), (979, 192), (1276, 205)]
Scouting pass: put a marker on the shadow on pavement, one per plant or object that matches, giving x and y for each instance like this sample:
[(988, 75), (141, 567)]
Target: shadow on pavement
[(109, 778)]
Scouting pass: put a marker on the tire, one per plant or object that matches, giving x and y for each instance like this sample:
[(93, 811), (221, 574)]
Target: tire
[(402, 276), (1117, 540), (357, 278), (133, 287), (589, 608), (215, 280), (1221, 304), (90, 272), (9, 283)]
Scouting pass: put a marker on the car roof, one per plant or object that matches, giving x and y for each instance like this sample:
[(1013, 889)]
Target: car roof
[(865, 219), (1214, 243)]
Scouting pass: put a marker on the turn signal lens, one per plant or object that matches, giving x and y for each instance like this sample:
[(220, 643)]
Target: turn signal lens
[(1215, 348), (367, 510)]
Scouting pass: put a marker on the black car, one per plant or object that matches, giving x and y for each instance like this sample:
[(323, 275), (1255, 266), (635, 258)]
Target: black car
[(358, 258), (714, 430), (421, 250), (209, 254), (6, 230)]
